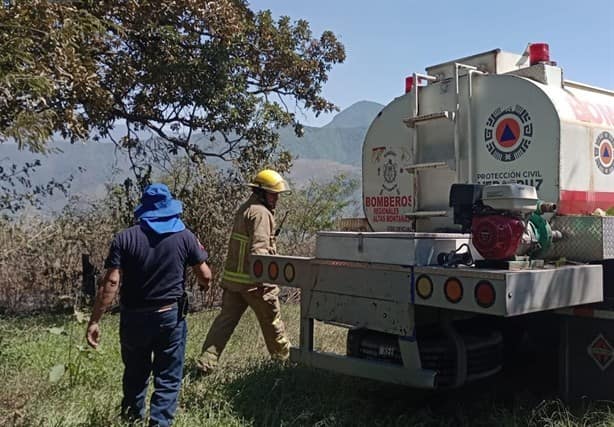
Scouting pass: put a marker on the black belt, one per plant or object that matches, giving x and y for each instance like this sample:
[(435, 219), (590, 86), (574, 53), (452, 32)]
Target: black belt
[(160, 306)]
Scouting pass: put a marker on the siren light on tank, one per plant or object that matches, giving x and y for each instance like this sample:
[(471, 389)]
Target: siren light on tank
[(409, 83), (539, 53)]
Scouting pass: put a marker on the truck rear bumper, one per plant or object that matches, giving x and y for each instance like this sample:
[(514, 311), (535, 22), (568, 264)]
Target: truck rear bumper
[(371, 369)]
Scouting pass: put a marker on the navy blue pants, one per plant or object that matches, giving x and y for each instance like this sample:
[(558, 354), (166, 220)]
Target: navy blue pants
[(152, 342)]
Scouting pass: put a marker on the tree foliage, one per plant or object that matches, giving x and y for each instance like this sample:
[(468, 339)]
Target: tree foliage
[(17, 190), (314, 208), (48, 70), (209, 78)]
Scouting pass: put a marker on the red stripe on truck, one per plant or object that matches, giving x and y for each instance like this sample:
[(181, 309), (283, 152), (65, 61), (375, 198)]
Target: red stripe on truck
[(584, 202)]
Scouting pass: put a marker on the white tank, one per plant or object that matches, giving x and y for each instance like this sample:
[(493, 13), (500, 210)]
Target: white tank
[(493, 119)]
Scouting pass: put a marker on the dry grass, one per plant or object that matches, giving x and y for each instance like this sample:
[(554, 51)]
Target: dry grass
[(248, 389)]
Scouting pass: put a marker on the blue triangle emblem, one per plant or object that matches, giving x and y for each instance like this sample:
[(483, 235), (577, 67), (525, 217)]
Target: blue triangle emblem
[(606, 152), (507, 135)]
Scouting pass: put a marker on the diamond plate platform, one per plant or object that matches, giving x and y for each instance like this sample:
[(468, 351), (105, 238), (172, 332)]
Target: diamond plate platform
[(585, 238)]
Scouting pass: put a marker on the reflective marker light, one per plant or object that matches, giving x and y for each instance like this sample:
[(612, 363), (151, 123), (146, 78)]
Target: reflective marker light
[(289, 272), (453, 289), (257, 268), (424, 287), (409, 83), (539, 52), (273, 270), (485, 294)]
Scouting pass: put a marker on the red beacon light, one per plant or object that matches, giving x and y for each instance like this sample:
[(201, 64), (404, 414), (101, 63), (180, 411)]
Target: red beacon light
[(409, 84), (539, 53)]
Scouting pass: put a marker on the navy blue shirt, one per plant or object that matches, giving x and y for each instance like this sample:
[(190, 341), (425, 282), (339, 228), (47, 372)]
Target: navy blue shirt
[(153, 265)]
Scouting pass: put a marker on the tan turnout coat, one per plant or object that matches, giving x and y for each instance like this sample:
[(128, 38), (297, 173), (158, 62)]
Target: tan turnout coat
[(253, 232)]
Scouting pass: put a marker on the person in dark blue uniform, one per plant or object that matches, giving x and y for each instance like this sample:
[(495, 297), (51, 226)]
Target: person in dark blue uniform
[(150, 259)]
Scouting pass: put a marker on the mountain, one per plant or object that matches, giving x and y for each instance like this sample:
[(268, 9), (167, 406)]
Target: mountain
[(356, 115), (91, 164), (319, 154), (340, 140)]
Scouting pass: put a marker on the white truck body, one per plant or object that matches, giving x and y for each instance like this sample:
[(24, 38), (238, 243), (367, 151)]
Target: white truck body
[(490, 118)]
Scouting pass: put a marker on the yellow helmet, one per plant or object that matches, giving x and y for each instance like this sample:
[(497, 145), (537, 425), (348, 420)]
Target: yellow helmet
[(269, 180)]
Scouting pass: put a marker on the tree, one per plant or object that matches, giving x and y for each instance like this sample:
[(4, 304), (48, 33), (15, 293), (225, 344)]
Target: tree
[(314, 208), (208, 78)]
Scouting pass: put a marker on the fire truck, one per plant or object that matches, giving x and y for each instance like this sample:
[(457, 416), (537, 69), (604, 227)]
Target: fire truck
[(486, 189)]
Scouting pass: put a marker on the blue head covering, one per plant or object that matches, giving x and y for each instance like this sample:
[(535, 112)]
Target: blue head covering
[(159, 211)]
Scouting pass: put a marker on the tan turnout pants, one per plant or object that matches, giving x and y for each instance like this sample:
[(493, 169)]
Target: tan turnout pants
[(265, 303)]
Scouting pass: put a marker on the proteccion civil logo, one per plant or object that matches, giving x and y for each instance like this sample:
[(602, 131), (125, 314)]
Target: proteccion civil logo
[(602, 152), (508, 133)]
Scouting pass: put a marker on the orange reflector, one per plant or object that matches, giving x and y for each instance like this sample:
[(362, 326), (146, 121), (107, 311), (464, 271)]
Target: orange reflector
[(273, 270), (289, 272), (424, 286), (453, 289), (257, 268), (485, 294)]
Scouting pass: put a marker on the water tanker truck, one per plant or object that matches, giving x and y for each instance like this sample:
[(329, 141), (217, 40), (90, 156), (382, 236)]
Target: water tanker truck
[(486, 187)]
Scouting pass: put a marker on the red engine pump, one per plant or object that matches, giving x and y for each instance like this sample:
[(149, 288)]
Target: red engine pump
[(497, 237), (499, 218)]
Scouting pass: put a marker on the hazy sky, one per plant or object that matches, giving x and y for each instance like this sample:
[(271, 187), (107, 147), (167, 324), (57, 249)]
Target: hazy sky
[(387, 40)]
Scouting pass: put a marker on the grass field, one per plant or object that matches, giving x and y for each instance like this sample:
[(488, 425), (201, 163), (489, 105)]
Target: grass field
[(248, 389)]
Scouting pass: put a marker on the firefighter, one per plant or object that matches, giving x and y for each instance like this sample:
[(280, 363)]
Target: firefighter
[(253, 232), (151, 258)]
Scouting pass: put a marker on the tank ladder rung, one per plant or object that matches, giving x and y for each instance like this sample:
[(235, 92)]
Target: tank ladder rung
[(430, 165), (424, 213), (413, 121)]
